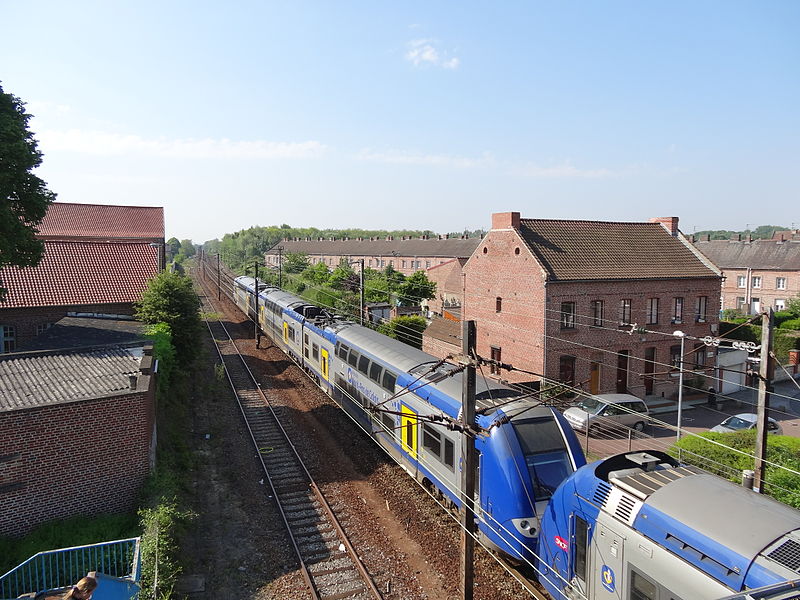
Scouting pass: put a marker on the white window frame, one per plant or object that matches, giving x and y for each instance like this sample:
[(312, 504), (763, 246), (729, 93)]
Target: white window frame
[(780, 283), (757, 282), (741, 281)]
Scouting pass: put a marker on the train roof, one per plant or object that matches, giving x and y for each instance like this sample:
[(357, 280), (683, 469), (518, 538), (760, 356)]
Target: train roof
[(718, 526)]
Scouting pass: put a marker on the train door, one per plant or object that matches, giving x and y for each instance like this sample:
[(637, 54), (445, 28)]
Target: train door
[(324, 363), (285, 332), (607, 570), (408, 437)]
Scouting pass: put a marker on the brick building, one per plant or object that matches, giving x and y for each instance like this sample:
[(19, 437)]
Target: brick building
[(405, 255), (565, 299), (449, 279), (756, 273), (72, 444), (97, 259)]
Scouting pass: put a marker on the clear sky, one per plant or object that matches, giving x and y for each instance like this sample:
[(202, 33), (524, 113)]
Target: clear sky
[(424, 115)]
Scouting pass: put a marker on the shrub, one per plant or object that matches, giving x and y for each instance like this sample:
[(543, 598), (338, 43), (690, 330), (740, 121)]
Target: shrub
[(783, 315), (790, 324)]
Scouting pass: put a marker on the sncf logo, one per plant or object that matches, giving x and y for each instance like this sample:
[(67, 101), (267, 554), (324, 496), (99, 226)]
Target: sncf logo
[(561, 543)]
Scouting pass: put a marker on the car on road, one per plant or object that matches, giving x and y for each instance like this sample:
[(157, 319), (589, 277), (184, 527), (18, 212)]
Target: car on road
[(746, 421), (608, 411)]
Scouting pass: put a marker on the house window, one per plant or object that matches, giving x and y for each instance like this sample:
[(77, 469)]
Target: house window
[(677, 311), (567, 315), (42, 327), (496, 356), (8, 338), (597, 313), (756, 281), (370, 262), (566, 369), (699, 356), (652, 311), (740, 303), (780, 283), (427, 264), (741, 281), (498, 304), (675, 357), (383, 263), (702, 309), (780, 304), (391, 263), (403, 264), (625, 312)]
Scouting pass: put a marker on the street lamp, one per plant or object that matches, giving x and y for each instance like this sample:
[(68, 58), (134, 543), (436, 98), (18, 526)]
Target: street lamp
[(682, 336)]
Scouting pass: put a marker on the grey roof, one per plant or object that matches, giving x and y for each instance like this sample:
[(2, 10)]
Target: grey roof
[(588, 250), (758, 254), (31, 379), (447, 248), (75, 332)]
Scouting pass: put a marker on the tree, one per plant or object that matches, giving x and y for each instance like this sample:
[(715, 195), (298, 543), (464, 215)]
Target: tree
[(173, 247), (417, 287), (24, 197), (295, 262), (793, 305), (187, 248), (171, 299), (406, 329)]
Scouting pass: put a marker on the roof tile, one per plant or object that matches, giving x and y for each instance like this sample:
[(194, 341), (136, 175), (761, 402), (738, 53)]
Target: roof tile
[(101, 221)]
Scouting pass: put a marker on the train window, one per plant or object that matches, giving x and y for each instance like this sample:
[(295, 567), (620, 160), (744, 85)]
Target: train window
[(342, 351), (581, 546), (388, 423), (545, 454), (641, 587), (432, 440), (305, 346), (449, 453), (352, 358), (389, 381), (315, 351), (363, 365), (375, 372), (305, 338)]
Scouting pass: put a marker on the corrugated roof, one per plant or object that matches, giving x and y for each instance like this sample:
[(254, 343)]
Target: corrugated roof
[(758, 254), (588, 250), (101, 221), (33, 379), (447, 248), (76, 273)]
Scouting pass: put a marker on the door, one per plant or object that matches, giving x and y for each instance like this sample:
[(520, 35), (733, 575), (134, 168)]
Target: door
[(594, 378), (285, 332), (408, 425), (323, 363), (622, 371), (607, 566), (649, 368)]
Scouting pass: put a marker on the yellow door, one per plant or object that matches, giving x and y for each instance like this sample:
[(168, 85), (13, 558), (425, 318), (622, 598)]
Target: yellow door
[(285, 332), (324, 363), (594, 378), (408, 425)]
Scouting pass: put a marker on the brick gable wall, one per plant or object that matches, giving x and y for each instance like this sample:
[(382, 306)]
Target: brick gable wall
[(80, 458)]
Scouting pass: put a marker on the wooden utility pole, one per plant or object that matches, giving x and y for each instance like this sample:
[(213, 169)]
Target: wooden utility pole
[(470, 461), (764, 388)]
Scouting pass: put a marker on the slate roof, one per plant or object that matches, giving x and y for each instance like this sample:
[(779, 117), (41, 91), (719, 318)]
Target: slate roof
[(447, 248), (31, 379), (758, 254), (76, 332), (101, 221), (78, 272), (590, 250)]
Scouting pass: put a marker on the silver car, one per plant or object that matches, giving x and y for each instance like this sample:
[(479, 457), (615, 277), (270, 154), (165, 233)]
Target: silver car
[(746, 421), (608, 410)]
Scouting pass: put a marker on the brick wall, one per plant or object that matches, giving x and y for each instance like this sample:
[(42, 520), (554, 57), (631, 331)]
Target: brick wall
[(449, 281), (26, 320), (79, 458), (767, 294)]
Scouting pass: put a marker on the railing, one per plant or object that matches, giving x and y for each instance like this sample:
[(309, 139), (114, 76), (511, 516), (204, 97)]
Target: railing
[(60, 568)]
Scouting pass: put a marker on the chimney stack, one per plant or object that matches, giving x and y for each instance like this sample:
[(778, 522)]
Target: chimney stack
[(507, 220), (669, 223)]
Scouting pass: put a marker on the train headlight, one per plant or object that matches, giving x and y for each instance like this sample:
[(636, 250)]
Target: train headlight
[(527, 527)]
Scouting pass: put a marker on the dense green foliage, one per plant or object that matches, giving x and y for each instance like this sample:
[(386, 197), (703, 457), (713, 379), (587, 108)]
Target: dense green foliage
[(406, 329), (724, 460), (171, 299), (784, 339), (164, 351), (760, 232), (793, 306), (240, 249), (24, 197)]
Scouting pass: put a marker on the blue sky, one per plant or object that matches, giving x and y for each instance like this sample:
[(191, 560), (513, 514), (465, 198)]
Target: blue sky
[(424, 115)]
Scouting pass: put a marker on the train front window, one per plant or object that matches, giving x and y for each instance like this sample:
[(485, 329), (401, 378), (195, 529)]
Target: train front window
[(545, 454)]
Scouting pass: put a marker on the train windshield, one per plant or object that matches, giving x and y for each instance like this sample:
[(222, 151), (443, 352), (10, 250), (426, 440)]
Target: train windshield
[(545, 454)]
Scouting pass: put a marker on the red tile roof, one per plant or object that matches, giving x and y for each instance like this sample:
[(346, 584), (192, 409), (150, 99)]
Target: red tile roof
[(100, 221), (74, 273)]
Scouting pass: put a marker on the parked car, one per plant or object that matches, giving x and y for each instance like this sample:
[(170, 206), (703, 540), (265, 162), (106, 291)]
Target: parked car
[(746, 421), (608, 410)]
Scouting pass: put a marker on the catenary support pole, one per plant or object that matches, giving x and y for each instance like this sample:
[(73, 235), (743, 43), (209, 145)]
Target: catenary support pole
[(219, 287), (255, 305), (280, 267), (361, 286), (470, 462), (764, 388)]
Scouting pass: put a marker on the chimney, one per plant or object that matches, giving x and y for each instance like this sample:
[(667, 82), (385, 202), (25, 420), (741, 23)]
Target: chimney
[(669, 223), (691, 238), (508, 220), (447, 236), (134, 380)]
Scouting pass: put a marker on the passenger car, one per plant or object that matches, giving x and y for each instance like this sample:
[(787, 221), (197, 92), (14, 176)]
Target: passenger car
[(746, 421), (608, 410)]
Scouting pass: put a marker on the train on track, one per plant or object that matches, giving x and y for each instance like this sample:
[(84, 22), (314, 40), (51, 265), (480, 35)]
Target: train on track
[(405, 398), (636, 526)]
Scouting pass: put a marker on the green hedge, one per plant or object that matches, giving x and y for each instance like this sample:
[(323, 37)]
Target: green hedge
[(790, 324), (726, 462)]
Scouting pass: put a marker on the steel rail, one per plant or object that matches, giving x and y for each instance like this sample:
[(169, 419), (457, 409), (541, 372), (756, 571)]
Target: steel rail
[(248, 383)]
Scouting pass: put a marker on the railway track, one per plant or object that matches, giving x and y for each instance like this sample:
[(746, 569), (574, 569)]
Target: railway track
[(329, 563)]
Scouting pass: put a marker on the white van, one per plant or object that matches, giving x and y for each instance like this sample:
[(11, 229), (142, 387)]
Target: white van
[(608, 410)]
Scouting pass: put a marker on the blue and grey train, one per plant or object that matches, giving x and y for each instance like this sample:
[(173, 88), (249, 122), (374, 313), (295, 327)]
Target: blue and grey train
[(398, 393), (640, 526)]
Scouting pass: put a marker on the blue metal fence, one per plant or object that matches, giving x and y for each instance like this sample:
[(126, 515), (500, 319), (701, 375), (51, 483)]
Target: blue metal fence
[(60, 568)]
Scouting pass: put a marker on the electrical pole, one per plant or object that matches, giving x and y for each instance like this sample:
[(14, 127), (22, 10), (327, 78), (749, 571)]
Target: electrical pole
[(219, 288), (764, 388), (470, 461), (255, 305), (361, 286), (280, 267)]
